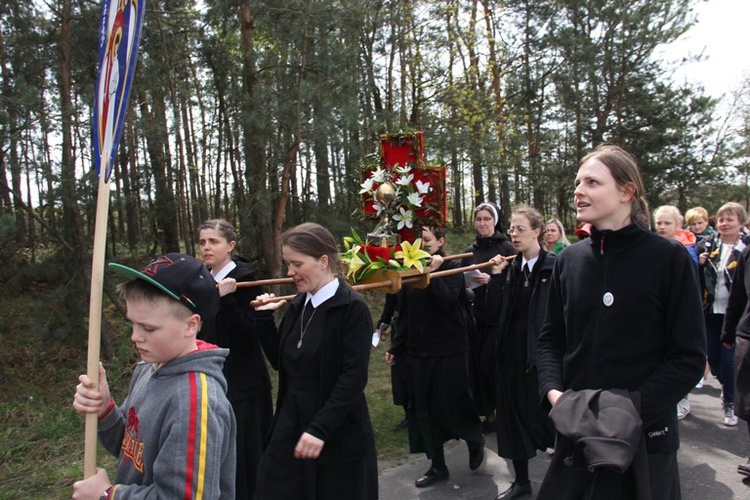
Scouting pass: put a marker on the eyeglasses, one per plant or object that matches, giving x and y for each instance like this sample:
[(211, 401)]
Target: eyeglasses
[(484, 219), (517, 229)]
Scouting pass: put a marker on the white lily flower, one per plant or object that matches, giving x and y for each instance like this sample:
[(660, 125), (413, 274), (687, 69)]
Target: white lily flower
[(401, 170), (405, 180), (367, 186), (404, 218), (415, 199), (379, 175), (422, 187)]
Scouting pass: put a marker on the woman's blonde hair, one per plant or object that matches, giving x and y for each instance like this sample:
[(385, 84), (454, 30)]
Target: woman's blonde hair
[(696, 213), (671, 211), (559, 224)]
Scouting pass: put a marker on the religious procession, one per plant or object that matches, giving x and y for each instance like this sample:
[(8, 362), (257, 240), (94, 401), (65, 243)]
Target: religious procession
[(524, 335), (289, 298)]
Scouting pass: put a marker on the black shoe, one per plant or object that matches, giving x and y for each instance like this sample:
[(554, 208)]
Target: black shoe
[(400, 426), (515, 491), (744, 469), (432, 476), (476, 455)]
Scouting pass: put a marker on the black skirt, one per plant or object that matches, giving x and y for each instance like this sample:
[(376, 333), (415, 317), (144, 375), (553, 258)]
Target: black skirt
[(441, 406), (253, 417), (522, 426)]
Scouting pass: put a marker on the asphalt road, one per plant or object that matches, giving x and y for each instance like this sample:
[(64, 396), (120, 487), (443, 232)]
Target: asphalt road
[(708, 457)]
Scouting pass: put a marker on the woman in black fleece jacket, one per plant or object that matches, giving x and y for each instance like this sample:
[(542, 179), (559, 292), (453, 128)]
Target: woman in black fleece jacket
[(624, 312)]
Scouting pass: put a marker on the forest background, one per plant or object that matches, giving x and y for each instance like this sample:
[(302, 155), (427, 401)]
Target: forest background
[(262, 113)]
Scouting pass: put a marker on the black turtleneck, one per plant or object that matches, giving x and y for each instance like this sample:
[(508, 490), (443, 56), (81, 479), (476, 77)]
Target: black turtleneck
[(624, 312)]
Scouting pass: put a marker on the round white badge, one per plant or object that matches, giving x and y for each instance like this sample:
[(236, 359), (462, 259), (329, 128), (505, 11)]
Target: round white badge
[(608, 299)]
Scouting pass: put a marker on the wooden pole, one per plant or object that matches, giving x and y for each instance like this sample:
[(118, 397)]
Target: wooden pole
[(481, 265), (359, 288), (289, 281), (407, 280), (266, 282), (95, 318)]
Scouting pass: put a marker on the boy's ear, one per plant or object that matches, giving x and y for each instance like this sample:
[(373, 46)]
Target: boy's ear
[(193, 325)]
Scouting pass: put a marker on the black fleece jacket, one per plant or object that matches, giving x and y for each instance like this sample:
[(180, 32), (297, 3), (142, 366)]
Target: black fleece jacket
[(624, 312)]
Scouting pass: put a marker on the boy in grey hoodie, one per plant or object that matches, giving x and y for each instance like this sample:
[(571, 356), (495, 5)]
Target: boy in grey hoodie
[(174, 435)]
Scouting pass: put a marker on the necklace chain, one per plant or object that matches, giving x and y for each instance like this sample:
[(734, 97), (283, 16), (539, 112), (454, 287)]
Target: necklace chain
[(303, 331)]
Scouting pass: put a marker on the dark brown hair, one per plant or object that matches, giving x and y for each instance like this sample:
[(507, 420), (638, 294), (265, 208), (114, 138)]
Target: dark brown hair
[(438, 232), (221, 226), (627, 175), (314, 240)]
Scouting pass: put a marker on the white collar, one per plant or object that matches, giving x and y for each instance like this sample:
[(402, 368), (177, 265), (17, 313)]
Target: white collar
[(530, 263), (224, 271), (326, 292)]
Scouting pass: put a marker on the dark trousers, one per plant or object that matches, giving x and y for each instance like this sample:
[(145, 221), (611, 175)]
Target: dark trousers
[(720, 359)]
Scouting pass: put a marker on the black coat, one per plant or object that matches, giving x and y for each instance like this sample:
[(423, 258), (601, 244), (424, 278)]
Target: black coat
[(737, 317), (708, 270), (342, 419), (486, 309), (242, 330), (736, 331), (537, 307), (624, 312), (435, 317)]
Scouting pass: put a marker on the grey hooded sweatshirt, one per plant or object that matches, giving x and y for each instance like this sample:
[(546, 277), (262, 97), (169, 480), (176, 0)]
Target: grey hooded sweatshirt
[(174, 435)]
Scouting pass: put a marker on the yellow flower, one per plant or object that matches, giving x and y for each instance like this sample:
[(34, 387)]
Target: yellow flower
[(354, 262), (412, 254)]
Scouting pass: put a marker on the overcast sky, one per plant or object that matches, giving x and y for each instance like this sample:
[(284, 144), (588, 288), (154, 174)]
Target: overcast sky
[(723, 34)]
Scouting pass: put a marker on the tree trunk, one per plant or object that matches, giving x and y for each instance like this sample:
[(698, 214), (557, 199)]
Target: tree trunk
[(72, 227), (165, 213), (256, 215)]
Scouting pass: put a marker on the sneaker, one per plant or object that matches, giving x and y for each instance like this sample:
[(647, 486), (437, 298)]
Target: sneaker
[(744, 469), (683, 408), (730, 419)]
